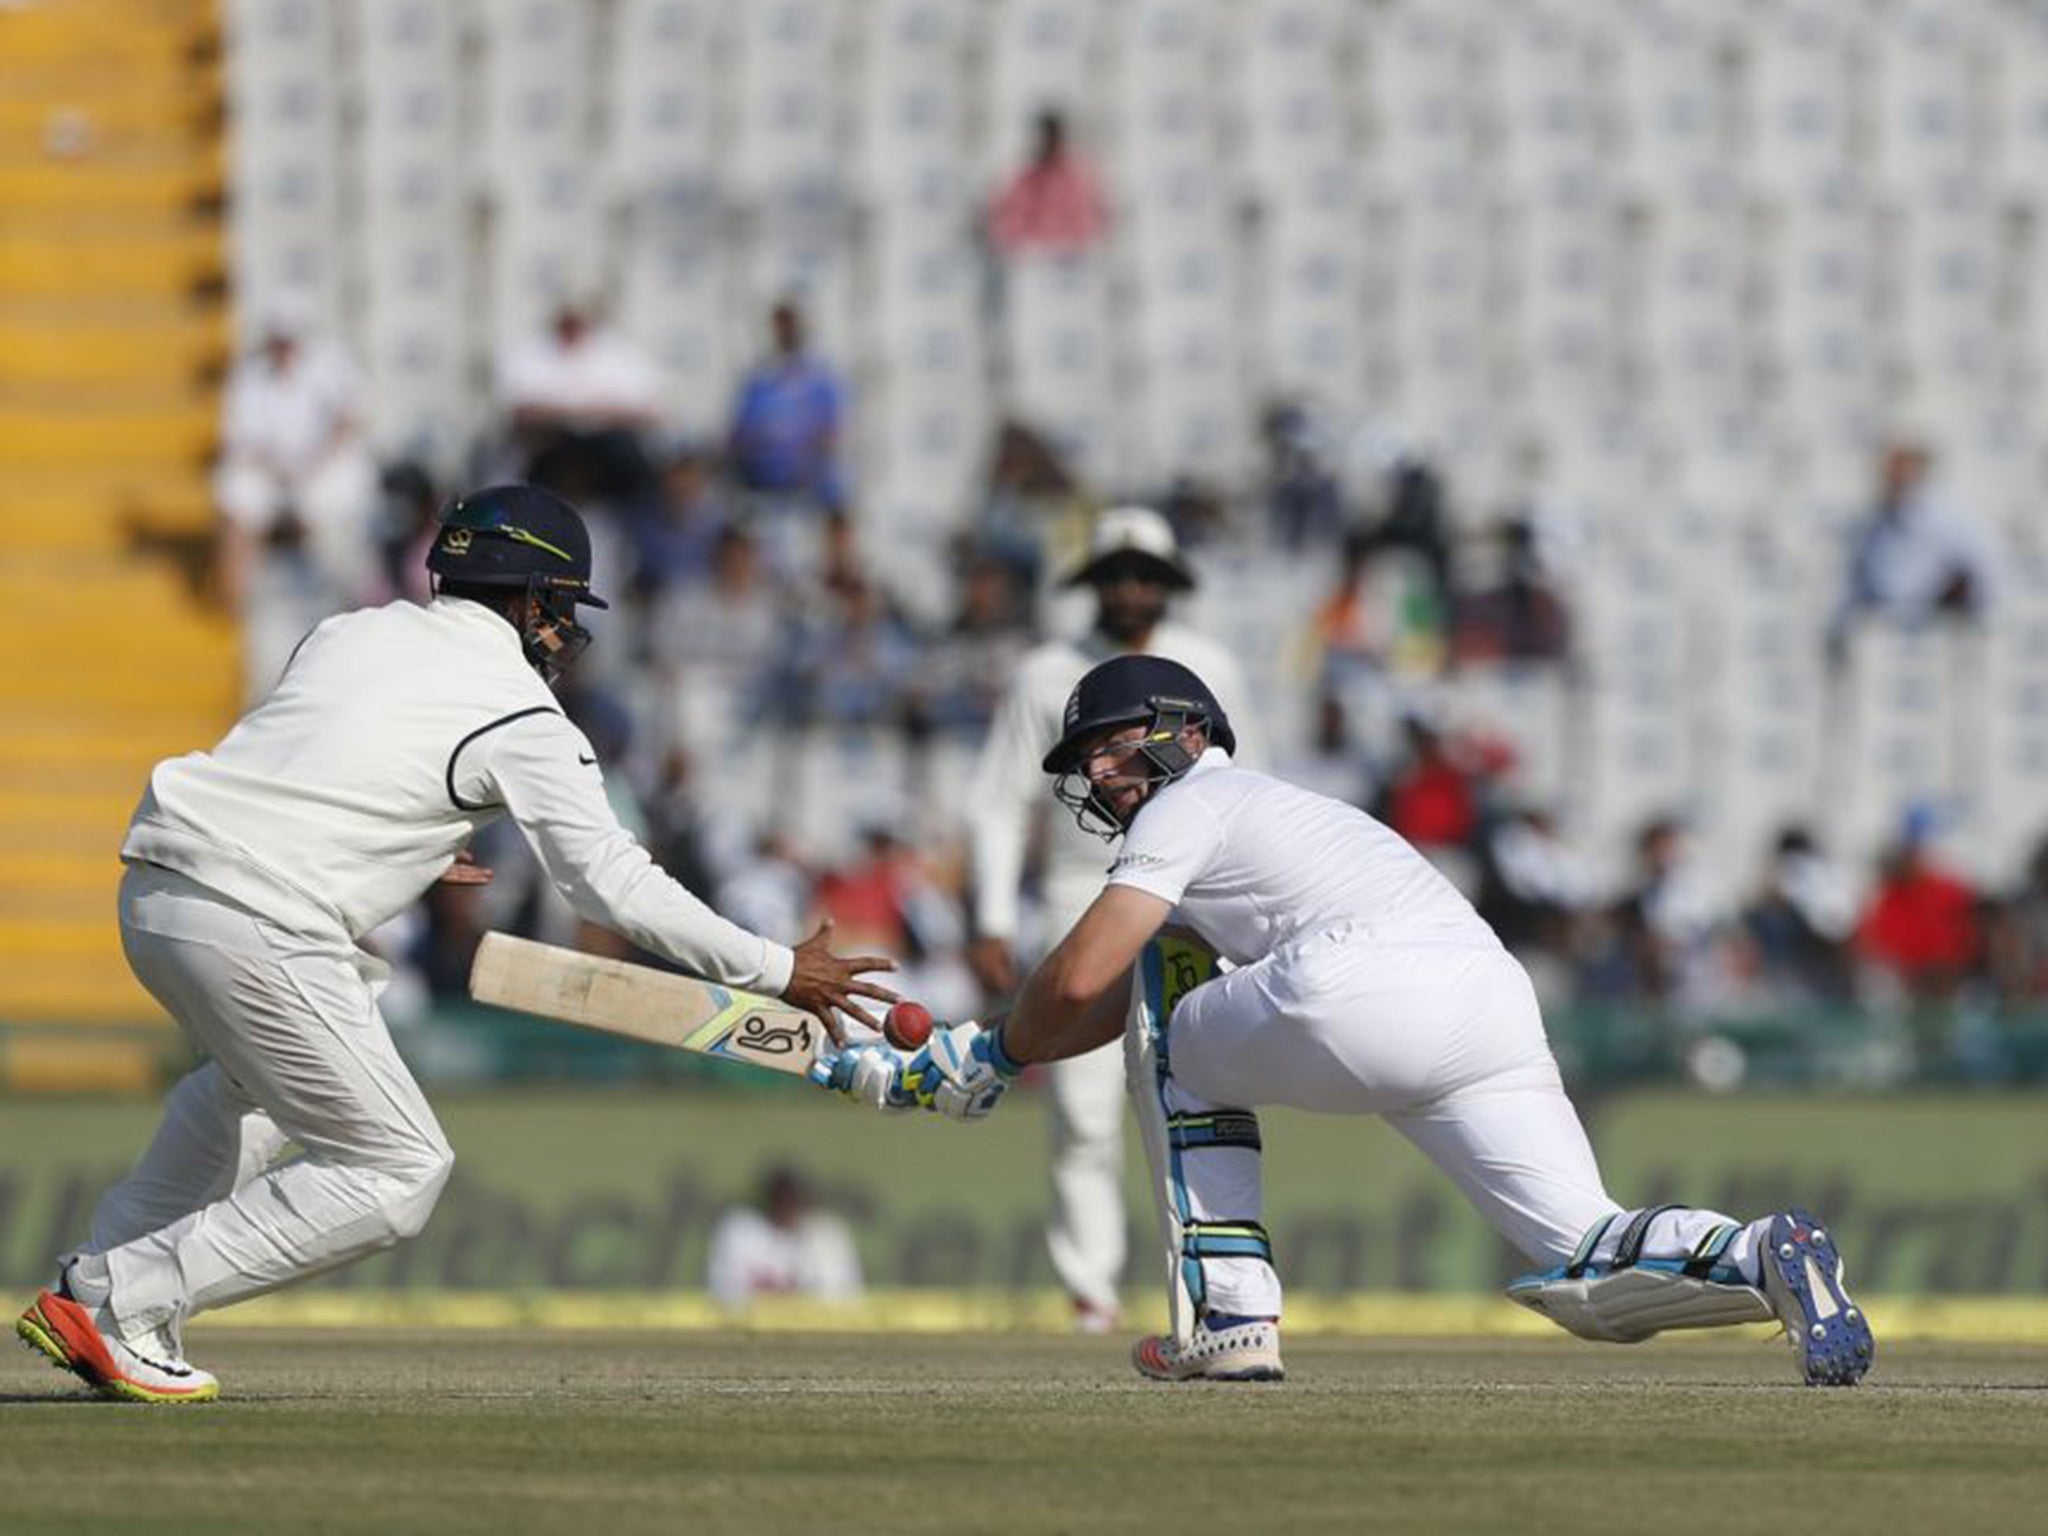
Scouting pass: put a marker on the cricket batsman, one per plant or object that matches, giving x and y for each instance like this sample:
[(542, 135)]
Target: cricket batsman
[(1359, 982), (394, 734), (1135, 567)]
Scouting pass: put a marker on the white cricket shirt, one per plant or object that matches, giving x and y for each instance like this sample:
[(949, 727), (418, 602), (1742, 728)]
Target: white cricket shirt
[(1010, 788), (1252, 862), (394, 734)]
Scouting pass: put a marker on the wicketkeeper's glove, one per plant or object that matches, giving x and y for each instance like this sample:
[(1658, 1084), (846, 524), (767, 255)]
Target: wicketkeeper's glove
[(962, 1072), (870, 1074)]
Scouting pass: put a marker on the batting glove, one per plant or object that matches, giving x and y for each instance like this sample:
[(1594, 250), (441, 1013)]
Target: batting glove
[(867, 1074), (962, 1072)]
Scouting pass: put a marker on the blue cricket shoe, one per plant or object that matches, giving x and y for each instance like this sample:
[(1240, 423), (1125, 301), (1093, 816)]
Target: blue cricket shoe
[(1802, 1275)]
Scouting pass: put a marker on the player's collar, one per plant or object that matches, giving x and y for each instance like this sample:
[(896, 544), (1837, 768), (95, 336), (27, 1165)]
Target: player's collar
[(482, 619)]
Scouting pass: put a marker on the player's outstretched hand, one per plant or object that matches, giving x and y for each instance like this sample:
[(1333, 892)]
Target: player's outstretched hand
[(867, 1074), (823, 984), (963, 1073)]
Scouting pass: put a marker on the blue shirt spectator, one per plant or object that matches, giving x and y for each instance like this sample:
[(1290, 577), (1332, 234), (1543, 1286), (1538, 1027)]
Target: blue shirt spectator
[(785, 428)]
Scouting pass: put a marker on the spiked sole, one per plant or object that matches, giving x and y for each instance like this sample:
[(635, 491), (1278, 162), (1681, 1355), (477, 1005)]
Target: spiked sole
[(1803, 1278), (33, 1330)]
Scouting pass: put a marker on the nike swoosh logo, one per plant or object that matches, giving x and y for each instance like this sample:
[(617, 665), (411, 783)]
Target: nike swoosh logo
[(588, 762)]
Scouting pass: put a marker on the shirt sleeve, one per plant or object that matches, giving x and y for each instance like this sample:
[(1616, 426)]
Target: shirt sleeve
[(1007, 781), (544, 772), (1171, 842)]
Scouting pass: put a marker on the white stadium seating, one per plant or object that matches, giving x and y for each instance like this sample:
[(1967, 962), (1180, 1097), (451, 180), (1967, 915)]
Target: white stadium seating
[(416, 252), (286, 157), (1678, 270), (662, 92)]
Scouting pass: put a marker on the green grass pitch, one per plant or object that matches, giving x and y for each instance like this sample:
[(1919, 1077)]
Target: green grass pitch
[(614, 1433)]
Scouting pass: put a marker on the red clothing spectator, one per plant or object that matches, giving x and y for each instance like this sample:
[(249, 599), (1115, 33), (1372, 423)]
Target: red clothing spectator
[(1432, 799), (1922, 923), (1053, 206), (1433, 805)]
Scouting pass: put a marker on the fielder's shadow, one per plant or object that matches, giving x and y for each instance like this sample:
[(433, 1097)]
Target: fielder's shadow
[(56, 1400)]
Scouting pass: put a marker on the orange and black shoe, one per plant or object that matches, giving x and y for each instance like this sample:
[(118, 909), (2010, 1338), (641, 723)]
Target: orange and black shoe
[(65, 1331)]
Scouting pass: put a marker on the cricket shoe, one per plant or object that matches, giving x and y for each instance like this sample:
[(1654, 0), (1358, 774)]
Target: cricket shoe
[(1802, 1276), (1246, 1350), (1093, 1319), (71, 1335)]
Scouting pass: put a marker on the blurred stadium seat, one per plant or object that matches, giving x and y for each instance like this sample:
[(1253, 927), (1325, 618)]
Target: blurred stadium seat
[(1696, 263)]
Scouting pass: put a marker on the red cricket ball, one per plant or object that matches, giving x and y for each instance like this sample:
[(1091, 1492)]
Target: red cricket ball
[(907, 1026)]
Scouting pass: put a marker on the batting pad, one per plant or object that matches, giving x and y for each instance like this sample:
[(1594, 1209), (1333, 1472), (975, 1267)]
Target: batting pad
[(1627, 1306), (1175, 1127)]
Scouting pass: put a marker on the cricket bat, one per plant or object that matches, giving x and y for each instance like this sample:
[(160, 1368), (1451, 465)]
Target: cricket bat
[(642, 1003)]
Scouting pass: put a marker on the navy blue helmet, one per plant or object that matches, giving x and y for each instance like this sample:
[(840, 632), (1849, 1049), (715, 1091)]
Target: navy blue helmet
[(1163, 696), (522, 537)]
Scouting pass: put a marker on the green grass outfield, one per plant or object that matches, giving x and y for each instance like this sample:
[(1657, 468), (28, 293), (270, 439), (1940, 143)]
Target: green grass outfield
[(615, 1433), (1371, 1314)]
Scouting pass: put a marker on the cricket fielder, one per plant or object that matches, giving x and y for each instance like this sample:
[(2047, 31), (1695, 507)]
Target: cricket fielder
[(252, 870), (1361, 983), (1135, 566)]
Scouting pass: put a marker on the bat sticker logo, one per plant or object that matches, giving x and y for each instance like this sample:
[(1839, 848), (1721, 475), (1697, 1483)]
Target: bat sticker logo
[(758, 1034)]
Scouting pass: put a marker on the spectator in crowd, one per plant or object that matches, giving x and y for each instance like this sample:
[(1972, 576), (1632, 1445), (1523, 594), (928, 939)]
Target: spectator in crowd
[(2019, 936), (411, 518), (1304, 502), (579, 398), (717, 642), (1053, 206), (1033, 504), (1432, 798), (1348, 636), (296, 487), (1416, 520), (888, 894), (1922, 930), (853, 660), (782, 1245), (1379, 633), (963, 674), (1535, 889), (1671, 929), (1915, 556), (771, 886), (675, 541), (1332, 764), (787, 421), (1801, 922), (676, 832), (1519, 616)]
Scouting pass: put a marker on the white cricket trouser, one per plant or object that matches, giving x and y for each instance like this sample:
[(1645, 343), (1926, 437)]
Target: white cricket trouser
[(1085, 1233), (299, 1055), (1444, 1041)]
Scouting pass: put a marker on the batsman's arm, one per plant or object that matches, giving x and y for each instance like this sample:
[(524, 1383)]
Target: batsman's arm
[(1076, 999)]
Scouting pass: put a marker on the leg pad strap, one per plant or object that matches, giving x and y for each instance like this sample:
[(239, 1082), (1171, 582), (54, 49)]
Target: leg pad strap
[(1215, 1128), (1225, 1240)]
